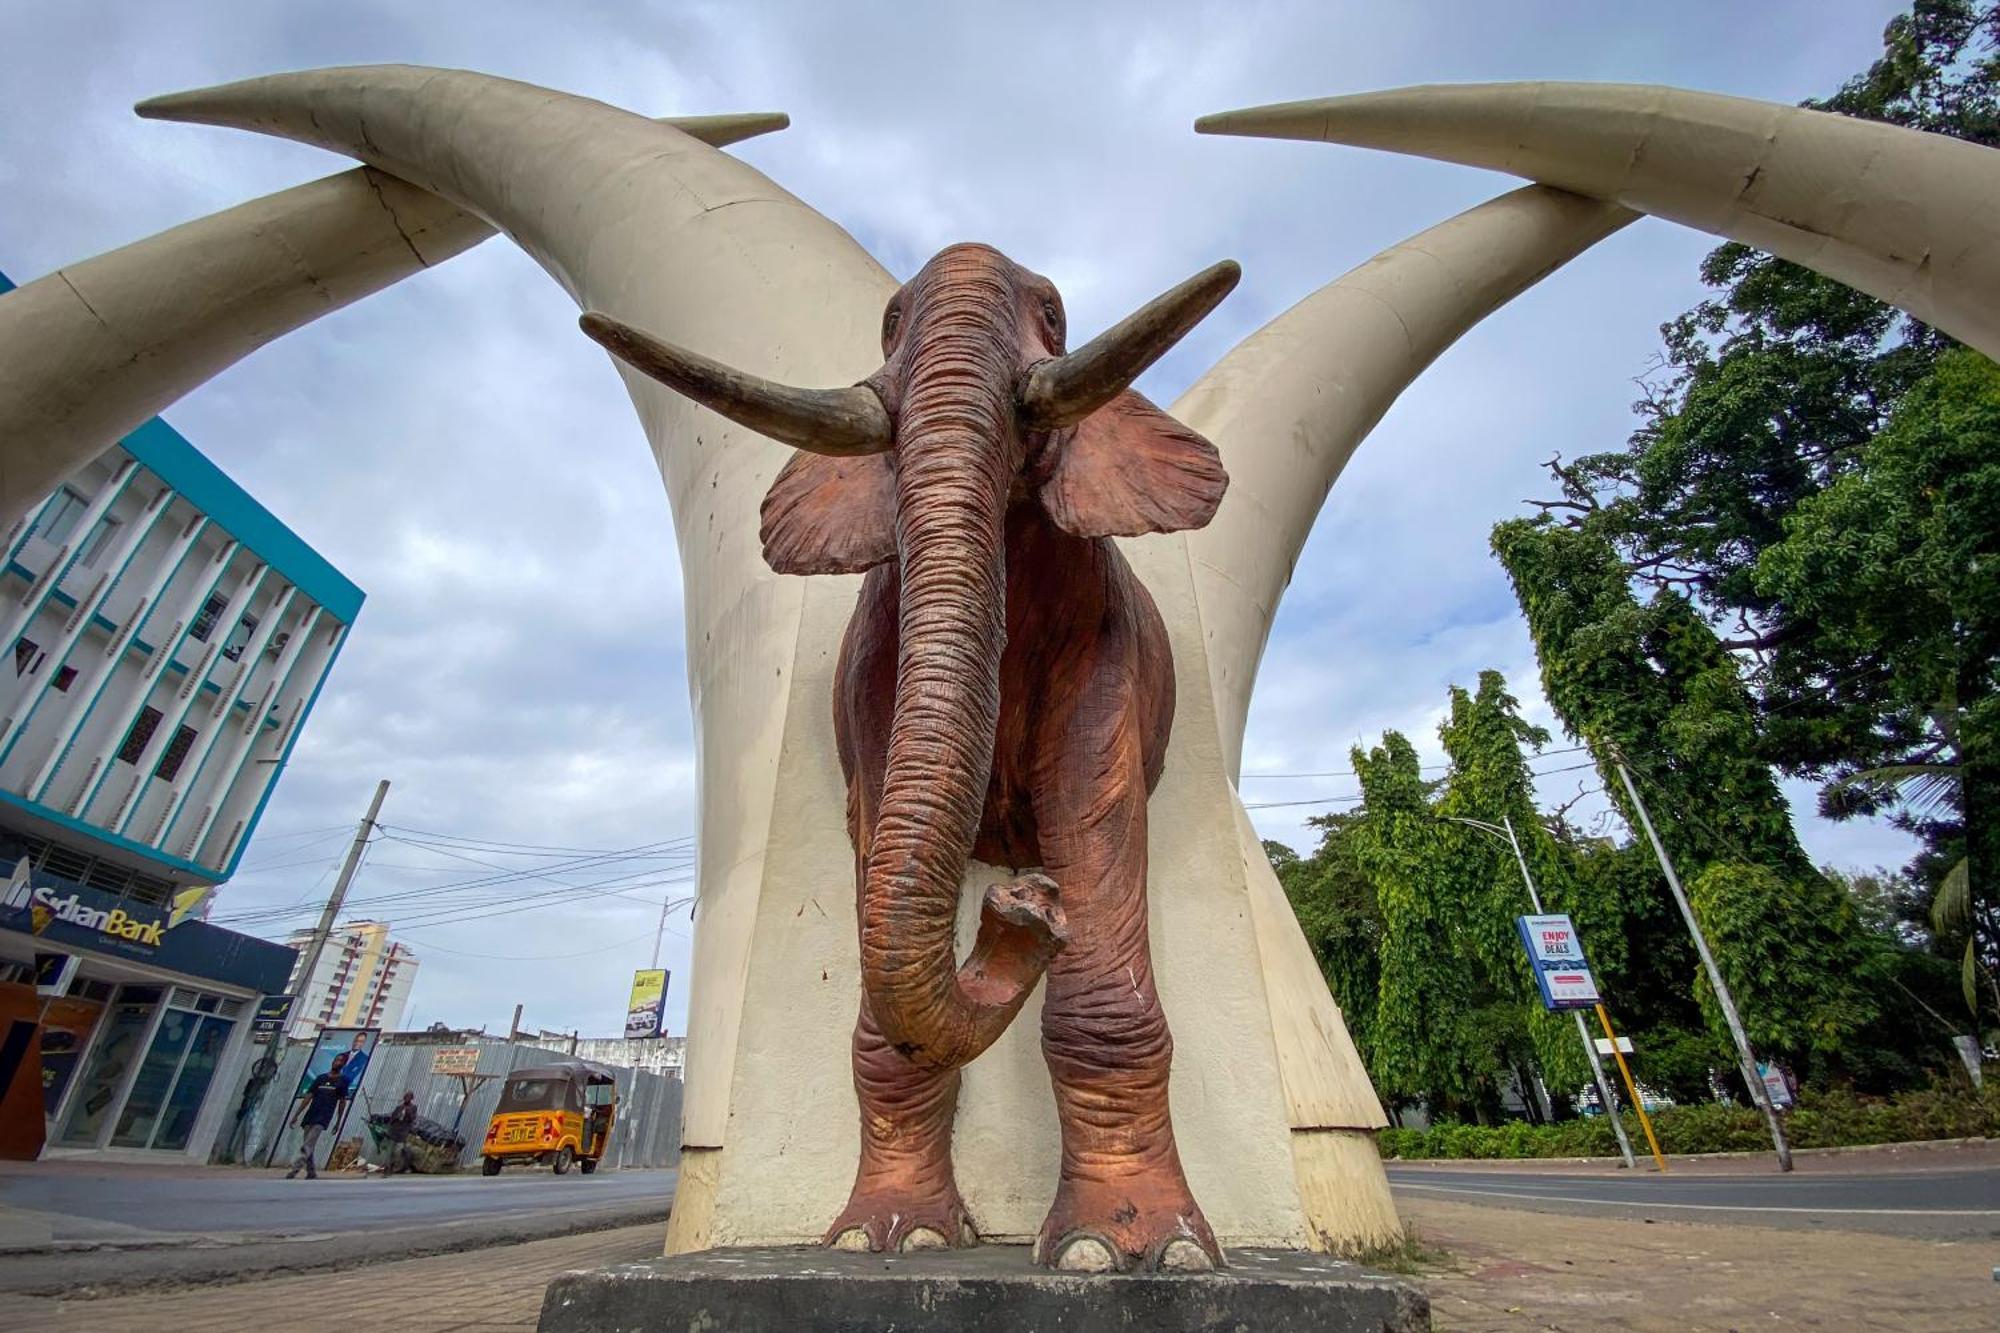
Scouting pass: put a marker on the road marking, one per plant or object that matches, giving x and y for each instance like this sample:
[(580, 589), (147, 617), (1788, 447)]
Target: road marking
[(1716, 1207)]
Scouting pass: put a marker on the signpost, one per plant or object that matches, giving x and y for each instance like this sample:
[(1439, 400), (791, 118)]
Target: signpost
[(1563, 976), (455, 1060), (273, 1012), (647, 1012)]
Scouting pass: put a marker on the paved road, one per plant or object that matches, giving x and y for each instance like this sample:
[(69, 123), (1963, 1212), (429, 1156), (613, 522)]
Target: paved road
[(76, 1228), (112, 1206), (1948, 1203)]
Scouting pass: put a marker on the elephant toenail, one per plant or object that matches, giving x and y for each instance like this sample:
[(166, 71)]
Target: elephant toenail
[(1184, 1256), (854, 1238), (1086, 1254), (923, 1238)]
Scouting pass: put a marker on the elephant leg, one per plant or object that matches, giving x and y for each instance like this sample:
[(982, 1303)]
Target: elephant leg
[(1123, 1201), (904, 1196)]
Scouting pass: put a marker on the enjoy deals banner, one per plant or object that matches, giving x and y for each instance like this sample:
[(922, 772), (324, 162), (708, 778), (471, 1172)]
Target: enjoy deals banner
[(1556, 954)]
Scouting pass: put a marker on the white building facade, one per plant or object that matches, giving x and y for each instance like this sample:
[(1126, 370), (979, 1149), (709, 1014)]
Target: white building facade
[(363, 979), (163, 638)]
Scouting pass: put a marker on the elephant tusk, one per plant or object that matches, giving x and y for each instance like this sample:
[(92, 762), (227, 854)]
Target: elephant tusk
[(1063, 390), (1289, 404), (1902, 215), (97, 347), (840, 423)]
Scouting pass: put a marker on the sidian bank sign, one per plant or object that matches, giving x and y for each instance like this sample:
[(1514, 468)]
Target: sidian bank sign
[(46, 905)]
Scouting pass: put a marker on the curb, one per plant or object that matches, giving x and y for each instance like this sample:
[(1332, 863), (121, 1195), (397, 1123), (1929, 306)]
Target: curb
[(1850, 1150)]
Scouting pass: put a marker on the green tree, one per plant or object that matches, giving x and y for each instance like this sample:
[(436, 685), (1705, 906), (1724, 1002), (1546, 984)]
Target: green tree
[(1811, 470), (1490, 781), (1425, 1046), (1652, 682), (1897, 563)]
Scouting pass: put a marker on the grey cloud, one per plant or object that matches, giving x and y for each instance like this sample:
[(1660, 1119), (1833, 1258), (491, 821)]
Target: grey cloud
[(460, 451)]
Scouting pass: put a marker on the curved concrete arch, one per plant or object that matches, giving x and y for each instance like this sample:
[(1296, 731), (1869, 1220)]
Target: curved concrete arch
[(1905, 216), (97, 347), (1289, 404)]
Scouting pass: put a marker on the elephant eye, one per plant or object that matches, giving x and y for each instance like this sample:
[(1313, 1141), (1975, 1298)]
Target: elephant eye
[(892, 319), (1052, 313)]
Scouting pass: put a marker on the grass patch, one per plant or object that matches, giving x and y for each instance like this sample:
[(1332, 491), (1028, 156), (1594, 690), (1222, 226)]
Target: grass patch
[(1412, 1256)]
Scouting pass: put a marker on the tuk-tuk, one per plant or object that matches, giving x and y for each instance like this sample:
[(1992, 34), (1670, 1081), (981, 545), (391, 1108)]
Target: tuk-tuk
[(552, 1115)]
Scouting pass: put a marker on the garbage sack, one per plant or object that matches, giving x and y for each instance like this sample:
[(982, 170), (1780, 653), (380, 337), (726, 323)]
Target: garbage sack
[(435, 1147)]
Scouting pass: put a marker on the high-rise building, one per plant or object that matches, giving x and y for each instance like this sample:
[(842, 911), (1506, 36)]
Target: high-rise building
[(162, 639), (363, 979)]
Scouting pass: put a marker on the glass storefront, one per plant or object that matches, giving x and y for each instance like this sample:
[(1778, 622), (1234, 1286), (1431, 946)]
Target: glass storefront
[(149, 1071)]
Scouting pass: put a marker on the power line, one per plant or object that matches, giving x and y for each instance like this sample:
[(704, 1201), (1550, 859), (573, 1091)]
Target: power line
[(1357, 796), (1427, 768), (528, 958), (493, 843), (505, 876)]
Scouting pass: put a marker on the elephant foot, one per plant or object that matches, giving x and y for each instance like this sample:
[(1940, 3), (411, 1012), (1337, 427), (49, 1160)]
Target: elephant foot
[(889, 1221), (1146, 1222)]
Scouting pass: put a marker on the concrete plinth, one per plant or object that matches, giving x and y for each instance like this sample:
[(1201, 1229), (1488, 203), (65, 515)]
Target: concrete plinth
[(992, 1288)]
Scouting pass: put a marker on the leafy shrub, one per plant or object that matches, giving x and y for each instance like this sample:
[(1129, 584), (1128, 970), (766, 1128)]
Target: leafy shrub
[(1822, 1120)]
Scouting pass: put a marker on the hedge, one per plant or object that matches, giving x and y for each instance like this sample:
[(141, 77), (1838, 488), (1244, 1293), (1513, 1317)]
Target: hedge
[(1821, 1120)]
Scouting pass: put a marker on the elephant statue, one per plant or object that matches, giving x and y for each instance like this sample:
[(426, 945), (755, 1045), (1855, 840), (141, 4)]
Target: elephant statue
[(1005, 690)]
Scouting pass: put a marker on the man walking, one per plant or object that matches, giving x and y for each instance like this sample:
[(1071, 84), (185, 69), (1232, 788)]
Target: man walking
[(323, 1096), (398, 1131)]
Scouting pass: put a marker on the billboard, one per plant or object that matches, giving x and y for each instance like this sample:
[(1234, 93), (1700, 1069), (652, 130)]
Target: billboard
[(647, 1013), (1556, 954)]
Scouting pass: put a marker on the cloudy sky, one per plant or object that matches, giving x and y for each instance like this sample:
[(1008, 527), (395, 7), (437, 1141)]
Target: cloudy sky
[(465, 456)]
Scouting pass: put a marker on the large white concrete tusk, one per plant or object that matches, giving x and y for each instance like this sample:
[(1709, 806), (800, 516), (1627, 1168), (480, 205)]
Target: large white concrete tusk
[(1902, 215), (703, 251), (1290, 403), (96, 348)]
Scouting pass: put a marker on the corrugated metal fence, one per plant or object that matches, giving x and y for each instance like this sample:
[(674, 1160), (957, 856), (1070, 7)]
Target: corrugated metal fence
[(647, 1132)]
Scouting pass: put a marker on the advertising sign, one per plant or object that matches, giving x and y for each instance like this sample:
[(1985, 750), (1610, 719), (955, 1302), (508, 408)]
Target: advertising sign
[(455, 1060), (349, 1048), (647, 1013), (1556, 954), (272, 1013)]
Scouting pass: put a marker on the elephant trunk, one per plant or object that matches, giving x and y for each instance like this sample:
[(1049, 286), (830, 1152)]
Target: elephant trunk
[(953, 476)]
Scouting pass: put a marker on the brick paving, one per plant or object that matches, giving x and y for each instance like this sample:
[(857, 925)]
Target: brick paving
[(480, 1289), (1503, 1270), (1516, 1270)]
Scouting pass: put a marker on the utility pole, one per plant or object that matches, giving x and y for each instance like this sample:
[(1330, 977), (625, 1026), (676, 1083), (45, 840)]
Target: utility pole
[(1746, 1059), (666, 905), (1582, 1031), (309, 960)]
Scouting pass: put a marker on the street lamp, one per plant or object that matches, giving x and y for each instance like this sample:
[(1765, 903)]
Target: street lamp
[(1505, 829)]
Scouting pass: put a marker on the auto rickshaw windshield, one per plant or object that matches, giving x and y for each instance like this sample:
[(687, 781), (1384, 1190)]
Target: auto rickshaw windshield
[(538, 1094)]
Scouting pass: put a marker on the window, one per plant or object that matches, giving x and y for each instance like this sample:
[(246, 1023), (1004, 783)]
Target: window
[(142, 731), (101, 542), (25, 652), (204, 624), (65, 677), (60, 518), (238, 637), (177, 749)]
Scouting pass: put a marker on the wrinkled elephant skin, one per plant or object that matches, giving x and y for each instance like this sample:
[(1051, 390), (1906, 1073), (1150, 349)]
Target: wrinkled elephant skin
[(1005, 690)]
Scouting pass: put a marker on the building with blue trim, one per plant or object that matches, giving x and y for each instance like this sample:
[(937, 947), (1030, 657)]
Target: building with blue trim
[(163, 638)]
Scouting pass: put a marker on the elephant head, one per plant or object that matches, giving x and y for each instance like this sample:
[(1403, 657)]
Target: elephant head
[(978, 407)]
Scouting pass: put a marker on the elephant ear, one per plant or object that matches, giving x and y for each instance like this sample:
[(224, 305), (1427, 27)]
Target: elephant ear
[(1129, 468), (830, 515)]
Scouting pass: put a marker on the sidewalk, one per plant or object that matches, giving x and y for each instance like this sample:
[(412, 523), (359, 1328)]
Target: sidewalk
[(1504, 1269), (1930, 1155), (483, 1289)]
